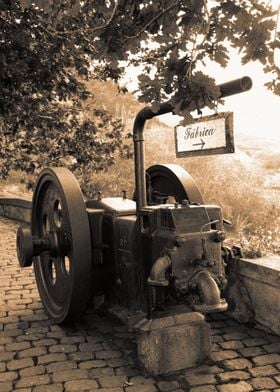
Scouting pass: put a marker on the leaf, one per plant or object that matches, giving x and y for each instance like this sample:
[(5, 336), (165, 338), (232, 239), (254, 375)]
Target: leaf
[(177, 107), (187, 117)]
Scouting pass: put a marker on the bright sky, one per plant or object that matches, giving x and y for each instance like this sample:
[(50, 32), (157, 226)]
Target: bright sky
[(256, 112)]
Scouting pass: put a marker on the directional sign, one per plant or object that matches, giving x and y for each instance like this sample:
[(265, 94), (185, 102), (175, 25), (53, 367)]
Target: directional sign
[(205, 136)]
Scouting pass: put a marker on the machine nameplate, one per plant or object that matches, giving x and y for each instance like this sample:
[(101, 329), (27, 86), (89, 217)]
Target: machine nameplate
[(205, 136)]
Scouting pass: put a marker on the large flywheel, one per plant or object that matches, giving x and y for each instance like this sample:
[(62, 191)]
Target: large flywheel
[(60, 245), (170, 180)]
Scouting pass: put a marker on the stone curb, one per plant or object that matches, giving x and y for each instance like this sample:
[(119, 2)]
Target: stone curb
[(16, 208), (254, 292)]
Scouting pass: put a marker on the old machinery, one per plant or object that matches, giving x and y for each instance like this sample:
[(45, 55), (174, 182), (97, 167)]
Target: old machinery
[(163, 248)]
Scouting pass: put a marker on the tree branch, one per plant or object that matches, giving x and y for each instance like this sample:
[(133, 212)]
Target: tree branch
[(151, 21), (106, 24), (194, 51), (276, 24), (5, 21), (45, 117), (56, 33)]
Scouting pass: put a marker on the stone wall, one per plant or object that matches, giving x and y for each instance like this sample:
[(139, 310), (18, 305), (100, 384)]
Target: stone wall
[(253, 292)]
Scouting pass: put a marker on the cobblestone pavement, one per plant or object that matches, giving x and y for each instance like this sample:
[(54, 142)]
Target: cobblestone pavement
[(99, 355)]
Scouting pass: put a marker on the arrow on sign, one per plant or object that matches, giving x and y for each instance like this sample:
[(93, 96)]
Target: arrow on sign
[(200, 144)]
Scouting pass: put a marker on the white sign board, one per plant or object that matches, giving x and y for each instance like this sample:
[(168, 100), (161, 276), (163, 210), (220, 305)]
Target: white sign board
[(206, 135)]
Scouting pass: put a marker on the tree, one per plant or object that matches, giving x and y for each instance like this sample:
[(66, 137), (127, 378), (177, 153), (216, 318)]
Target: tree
[(46, 54), (43, 116)]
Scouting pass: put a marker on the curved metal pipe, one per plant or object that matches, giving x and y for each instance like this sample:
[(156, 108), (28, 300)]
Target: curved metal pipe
[(229, 88), (208, 288), (210, 294), (157, 274)]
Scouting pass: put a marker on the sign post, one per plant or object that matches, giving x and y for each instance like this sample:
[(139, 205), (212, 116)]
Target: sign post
[(206, 136)]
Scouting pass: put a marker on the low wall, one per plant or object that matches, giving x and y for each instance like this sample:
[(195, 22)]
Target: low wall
[(253, 292), (16, 208)]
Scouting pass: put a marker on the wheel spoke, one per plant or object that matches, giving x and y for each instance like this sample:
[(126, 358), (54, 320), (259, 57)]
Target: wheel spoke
[(63, 280)]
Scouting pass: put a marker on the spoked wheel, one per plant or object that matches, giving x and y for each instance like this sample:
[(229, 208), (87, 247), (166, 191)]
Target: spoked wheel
[(60, 225), (170, 180)]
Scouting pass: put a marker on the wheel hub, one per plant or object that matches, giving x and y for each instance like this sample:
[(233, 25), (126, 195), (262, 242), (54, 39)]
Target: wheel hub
[(29, 246)]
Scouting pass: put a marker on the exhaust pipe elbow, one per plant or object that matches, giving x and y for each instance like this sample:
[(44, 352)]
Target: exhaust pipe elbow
[(157, 274), (209, 293)]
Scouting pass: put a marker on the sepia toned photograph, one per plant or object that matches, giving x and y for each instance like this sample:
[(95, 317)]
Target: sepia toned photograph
[(139, 195)]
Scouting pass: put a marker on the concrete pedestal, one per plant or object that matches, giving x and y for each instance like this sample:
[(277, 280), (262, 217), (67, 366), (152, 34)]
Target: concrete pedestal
[(172, 343)]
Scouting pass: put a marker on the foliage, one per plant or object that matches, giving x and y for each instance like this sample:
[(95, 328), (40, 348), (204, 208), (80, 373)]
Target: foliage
[(78, 148), (239, 189), (260, 241), (43, 116), (45, 55)]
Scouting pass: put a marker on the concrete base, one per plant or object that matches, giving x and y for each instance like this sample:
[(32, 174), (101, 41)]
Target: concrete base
[(253, 292), (129, 318), (172, 343)]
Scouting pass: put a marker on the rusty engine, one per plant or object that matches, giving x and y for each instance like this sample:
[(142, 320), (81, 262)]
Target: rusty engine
[(161, 248)]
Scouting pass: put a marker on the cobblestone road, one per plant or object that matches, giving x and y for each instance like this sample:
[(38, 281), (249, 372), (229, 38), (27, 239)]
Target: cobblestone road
[(98, 354)]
